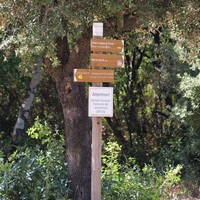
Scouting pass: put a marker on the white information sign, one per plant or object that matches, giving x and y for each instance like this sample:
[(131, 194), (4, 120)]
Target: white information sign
[(100, 102), (97, 29)]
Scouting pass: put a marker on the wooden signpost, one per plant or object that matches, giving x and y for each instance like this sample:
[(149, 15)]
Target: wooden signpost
[(96, 135), (100, 98), (101, 106)]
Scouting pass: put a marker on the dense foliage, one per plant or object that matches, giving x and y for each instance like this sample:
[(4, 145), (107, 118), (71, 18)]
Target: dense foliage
[(129, 181), (155, 127), (37, 170)]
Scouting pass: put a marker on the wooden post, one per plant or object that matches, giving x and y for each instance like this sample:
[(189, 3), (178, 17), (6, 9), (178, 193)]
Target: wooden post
[(96, 135)]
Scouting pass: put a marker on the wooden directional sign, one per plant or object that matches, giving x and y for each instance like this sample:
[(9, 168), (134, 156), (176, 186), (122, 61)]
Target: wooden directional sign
[(93, 75), (107, 45), (107, 60)]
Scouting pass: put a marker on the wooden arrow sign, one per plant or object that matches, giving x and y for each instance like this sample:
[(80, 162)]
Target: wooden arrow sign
[(93, 75), (107, 45), (107, 60)]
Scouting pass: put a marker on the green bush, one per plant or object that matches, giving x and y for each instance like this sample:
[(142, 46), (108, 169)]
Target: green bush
[(37, 172), (127, 182)]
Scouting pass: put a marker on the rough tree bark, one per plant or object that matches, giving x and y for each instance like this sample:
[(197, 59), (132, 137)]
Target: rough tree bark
[(20, 126), (74, 105)]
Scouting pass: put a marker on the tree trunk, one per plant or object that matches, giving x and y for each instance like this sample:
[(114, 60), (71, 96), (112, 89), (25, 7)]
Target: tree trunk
[(20, 126), (78, 141), (74, 104)]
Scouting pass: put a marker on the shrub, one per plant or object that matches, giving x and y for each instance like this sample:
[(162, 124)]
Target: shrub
[(127, 182), (36, 172)]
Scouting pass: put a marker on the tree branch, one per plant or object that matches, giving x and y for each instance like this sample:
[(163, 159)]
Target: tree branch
[(19, 129)]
